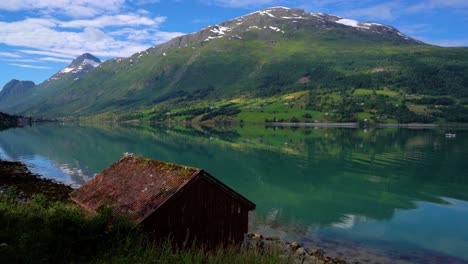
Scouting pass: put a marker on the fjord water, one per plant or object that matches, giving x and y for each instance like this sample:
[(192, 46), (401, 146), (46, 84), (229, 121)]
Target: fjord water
[(377, 195)]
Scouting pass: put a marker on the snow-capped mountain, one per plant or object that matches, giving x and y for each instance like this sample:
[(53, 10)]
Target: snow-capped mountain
[(283, 20), (265, 53), (78, 67)]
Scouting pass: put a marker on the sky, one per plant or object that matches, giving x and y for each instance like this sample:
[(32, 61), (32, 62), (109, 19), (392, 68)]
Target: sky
[(40, 37)]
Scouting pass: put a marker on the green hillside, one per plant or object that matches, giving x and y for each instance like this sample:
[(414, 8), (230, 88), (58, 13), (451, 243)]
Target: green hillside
[(14, 91), (342, 73)]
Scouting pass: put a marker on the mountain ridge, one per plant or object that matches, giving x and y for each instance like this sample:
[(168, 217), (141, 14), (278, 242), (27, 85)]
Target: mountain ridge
[(78, 68), (15, 90), (262, 54)]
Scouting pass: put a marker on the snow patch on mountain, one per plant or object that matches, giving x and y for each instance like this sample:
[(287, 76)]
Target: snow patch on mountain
[(275, 28), (91, 62), (85, 62), (294, 17), (273, 18), (348, 22), (254, 27), (266, 13), (279, 7), (403, 35), (220, 30), (209, 38), (67, 70)]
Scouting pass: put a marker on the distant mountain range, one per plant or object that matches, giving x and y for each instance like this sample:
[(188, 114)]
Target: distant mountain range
[(270, 65)]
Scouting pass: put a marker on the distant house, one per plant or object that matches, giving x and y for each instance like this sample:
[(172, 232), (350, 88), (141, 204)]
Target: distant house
[(183, 203)]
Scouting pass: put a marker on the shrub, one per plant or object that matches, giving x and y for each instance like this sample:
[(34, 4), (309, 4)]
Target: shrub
[(294, 119)]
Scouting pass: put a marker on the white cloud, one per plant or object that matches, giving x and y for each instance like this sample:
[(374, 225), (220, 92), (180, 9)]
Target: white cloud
[(78, 11), (335, 5), (20, 60), (433, 4), (102, 36), (241, 3), (114, 21), (383, 11), (52, 59), (414, 28), (163, 36), (144, 2), (448, 42), (48, 53), (9, 55), (73, 8), (31, 66)]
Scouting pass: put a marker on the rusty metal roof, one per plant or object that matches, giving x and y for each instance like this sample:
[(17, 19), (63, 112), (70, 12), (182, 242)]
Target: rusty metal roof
[(139, 186)]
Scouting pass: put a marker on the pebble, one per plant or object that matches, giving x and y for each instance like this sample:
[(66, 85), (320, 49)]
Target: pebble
[(301, 252), (294, 246)]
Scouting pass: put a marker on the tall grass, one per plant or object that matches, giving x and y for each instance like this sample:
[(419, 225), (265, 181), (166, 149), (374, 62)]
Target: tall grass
[(163, 253), (39, 231)]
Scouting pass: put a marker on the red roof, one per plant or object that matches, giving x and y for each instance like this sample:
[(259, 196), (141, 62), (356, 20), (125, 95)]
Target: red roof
[(139, 186)]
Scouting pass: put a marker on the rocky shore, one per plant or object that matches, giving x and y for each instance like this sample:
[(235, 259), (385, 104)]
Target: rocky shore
[(292, 251), (17, 176)]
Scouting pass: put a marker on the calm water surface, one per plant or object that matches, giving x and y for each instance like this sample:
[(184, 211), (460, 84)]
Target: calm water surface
[(376, 195)]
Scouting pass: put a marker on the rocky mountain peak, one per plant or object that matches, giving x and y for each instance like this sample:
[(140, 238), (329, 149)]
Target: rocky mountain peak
[(16, 87), (283, 20), (79, 66), (268, 22), (85, 59)]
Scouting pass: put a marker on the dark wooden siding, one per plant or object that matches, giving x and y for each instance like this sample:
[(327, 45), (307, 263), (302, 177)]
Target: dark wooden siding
[(203, 214)]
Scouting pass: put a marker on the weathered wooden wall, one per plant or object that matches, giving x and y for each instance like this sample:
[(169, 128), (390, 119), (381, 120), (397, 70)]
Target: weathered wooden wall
[(204, 214)]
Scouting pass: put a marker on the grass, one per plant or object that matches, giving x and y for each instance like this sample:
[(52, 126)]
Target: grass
[(363, 115), (419, 109), (319, 105), (39, 231), (390, 121), (129, 253), (380, 92), (283, 108)]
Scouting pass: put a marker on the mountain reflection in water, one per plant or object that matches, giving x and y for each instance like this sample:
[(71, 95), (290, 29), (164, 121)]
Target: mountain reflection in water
[(382, 185)]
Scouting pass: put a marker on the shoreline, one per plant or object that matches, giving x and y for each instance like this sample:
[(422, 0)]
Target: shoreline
[(318, 124), (273, 124), (15, 174)]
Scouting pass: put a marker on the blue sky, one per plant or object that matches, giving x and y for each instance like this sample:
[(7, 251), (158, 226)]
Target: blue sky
[(40, 37)]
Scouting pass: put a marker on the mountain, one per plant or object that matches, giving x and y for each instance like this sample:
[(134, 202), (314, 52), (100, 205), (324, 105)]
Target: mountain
[(15, 89), (33, 95), (77, 68), (332, 63)]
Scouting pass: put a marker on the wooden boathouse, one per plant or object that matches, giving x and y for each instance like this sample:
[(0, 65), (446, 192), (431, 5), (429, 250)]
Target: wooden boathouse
[(184, 204)]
